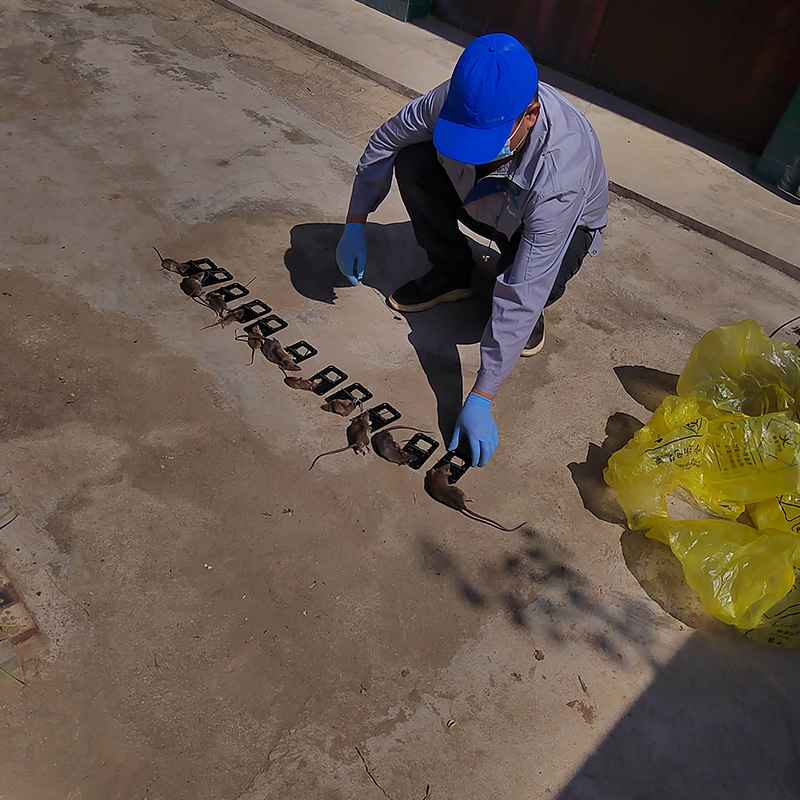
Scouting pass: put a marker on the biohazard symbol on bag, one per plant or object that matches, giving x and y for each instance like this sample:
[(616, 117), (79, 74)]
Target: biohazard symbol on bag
[(731, 438), (781, 513)]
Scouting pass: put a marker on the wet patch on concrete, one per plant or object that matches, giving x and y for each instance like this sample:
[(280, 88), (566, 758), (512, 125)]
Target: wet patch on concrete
[(297, 136), (254, 152), (50, 75), (254, 211), (189, 37), (111, 11), (344, 169), (255, 115), (162, 59)]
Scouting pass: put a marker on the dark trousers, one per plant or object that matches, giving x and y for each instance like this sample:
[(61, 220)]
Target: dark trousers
[(435, 210)]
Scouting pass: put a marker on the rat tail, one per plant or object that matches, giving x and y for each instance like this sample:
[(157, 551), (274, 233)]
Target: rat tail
[(407, 428), (329, 453), (488, 521), (157, 253)]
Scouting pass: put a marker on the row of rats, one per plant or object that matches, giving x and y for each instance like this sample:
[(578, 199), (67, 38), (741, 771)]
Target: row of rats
[(271, 348), (358, 438), (437, 479), (192, 287)]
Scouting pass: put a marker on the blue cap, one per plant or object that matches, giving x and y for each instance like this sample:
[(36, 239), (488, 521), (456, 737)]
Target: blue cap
[(493, 82)]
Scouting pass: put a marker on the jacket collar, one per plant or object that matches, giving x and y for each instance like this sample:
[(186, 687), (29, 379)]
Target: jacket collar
[(522, 169)]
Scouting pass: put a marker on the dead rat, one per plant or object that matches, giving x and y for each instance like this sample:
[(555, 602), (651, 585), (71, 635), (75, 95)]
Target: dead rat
[(296, 382), (274, 352), (171, 265), (254, 338), (216, 302), (439, 489), (386, 447), (231, 317), (341, 406), (357, 437), (192, 288)]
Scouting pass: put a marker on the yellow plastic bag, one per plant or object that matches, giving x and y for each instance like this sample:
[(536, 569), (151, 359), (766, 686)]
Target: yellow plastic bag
[(668, 452), (738, 571), (732, 438), (779, 513), (780, 626), (738, 369), (750, 459)]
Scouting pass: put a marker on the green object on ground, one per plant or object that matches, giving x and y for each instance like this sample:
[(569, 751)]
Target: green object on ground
[(13, 678)]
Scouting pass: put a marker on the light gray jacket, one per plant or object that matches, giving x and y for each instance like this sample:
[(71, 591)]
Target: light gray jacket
[(554, 184)]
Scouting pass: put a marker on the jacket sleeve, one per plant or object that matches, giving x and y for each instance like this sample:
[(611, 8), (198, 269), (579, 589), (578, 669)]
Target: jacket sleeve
[(522, 291), (411, 125)]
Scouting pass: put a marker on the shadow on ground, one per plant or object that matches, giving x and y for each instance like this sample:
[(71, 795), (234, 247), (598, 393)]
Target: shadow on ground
[(651, 563), (539, 590), (690, 734), (393, 258), (546, 598)]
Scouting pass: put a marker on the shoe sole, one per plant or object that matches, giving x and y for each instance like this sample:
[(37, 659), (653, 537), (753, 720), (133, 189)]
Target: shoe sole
[(532, 351), (448, 297)]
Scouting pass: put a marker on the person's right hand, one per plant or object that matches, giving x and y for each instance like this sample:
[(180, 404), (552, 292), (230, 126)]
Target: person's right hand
[(476, 425), (351, 253)]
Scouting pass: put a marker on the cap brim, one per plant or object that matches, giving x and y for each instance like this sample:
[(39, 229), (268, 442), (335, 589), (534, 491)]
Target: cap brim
[(470, 145)]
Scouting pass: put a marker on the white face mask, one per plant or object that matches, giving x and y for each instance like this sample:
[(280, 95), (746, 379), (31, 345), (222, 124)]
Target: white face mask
[(506, 152)]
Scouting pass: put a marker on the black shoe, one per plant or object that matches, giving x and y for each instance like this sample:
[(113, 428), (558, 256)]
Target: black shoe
[(535, 341), (432, 288)]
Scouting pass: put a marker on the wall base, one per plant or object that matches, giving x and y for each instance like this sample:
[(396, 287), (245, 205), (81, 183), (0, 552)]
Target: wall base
[(404, 10)]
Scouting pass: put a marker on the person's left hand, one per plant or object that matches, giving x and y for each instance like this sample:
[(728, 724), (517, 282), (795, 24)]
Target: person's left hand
[(476, 423)]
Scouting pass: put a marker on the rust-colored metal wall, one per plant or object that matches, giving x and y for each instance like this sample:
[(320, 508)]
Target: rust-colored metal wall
[(726, 67), (561, 33)]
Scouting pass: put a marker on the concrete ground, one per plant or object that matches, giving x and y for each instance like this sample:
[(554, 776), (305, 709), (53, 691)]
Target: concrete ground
[(218, 622)]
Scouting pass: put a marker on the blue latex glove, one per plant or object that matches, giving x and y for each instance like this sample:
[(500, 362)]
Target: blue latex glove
[(351, 252), (476, 423)]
